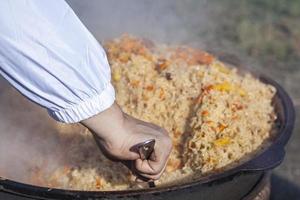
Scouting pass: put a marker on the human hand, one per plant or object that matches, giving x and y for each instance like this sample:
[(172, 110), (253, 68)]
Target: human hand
[(117, 133)]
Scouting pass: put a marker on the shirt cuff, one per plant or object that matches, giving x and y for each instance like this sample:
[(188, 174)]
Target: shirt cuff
[(86, 108)]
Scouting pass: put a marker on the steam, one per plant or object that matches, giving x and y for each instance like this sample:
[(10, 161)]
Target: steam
[(29, 140), (163, 21), (28, 137), (193, 23)]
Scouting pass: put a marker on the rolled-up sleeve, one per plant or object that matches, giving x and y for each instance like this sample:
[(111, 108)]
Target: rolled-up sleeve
[(50, 57)]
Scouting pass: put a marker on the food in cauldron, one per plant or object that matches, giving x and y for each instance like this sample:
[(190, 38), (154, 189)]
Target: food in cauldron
[(215, 115)]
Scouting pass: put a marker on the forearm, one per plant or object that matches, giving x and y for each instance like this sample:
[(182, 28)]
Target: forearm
[(107, 124)]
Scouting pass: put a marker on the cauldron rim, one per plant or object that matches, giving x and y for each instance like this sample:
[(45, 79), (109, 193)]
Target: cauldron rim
[(260, 163)]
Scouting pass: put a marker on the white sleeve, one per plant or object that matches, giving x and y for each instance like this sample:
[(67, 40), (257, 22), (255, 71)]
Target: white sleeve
[(51, 58)]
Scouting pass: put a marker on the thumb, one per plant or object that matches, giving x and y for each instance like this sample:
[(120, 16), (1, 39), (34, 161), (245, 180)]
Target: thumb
[(130, 155)]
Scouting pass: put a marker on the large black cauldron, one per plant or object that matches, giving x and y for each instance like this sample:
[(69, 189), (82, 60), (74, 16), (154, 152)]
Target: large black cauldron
[(231, 184)]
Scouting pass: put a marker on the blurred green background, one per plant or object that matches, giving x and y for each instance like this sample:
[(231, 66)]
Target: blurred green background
[(268, 32)]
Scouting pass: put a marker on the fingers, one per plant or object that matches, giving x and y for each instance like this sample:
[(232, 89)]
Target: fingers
[(131, 156), (154, 167), (144, 166), (146, 177)]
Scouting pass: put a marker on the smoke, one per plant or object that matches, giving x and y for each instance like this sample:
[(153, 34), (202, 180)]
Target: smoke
[(27, 136), (29, 139), (196, 23), (163, 21)]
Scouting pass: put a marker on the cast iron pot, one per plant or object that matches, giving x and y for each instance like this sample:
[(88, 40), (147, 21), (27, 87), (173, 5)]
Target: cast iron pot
[(231, 184)]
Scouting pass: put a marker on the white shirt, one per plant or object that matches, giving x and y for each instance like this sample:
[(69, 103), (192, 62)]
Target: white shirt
[(50, 57)]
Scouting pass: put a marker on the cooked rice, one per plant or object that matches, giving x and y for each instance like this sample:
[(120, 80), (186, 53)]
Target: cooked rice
[(214, 115)]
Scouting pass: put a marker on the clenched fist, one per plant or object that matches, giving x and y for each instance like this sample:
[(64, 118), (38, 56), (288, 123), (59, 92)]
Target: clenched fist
[(117, 133)]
